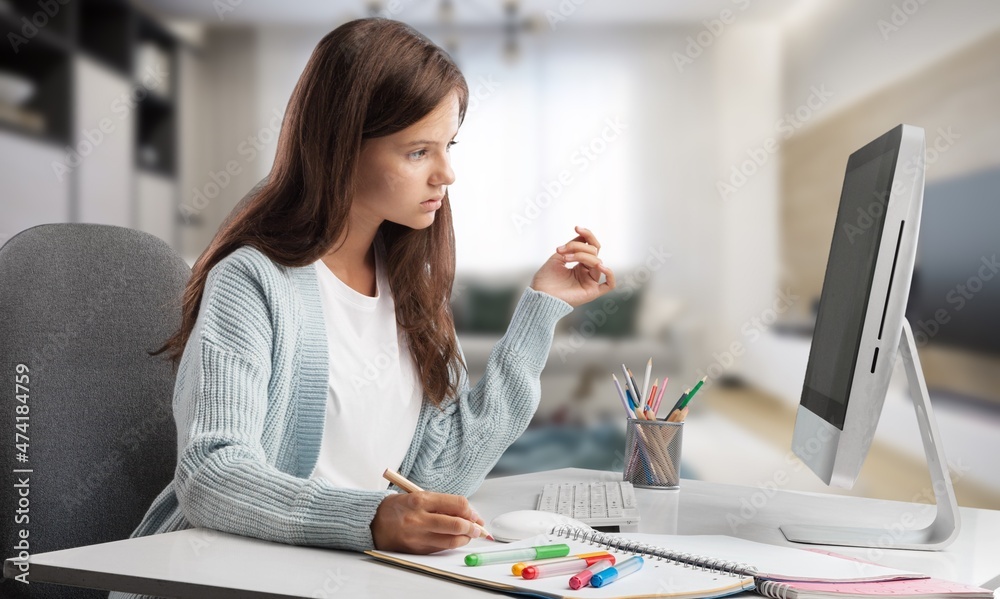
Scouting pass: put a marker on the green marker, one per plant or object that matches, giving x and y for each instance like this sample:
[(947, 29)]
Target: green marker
[(516, 555), (690, 395)]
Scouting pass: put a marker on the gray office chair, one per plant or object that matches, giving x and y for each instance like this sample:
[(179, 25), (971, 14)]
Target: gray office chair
[(80, 307)]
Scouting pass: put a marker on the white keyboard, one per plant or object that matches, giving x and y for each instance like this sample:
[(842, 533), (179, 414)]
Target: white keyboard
[(599, 503)]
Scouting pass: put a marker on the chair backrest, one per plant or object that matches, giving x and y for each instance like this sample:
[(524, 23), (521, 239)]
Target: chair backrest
[(80, 307)]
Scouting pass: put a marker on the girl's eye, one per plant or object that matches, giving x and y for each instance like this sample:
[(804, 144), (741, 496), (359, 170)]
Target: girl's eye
[(418, 154), (451, 143)]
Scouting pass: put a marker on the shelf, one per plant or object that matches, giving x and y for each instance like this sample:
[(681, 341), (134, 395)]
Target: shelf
[(150, 30), (47, 66), (29, 134), (51, 23), (107, 28), (157, 133), (16, 40)]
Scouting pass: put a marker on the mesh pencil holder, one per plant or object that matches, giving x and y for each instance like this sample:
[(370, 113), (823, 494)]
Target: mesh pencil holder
[(653, 453)]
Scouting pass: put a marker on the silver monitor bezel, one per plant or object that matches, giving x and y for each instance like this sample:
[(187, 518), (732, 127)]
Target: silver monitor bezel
[(836, 455)]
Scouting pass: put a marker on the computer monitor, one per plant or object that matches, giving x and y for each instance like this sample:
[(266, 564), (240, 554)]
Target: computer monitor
[(860, 324)]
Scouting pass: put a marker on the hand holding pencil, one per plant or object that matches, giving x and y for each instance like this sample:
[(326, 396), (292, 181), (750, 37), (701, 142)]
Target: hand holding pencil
[(423, 522)]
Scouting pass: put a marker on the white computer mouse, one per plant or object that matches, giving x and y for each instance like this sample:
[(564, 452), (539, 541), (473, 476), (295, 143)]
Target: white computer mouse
[(514, 526)]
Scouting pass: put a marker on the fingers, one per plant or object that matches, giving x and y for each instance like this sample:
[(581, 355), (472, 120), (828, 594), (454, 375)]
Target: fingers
[(446, 514), (609, 275), (439, 542), (577, 247), (586, 241), (591, 262), (442, 503), (450, 525), (588, 236), (583, 258)]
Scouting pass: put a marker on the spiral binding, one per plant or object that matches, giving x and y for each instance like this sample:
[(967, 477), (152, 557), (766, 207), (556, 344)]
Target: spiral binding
[(597, 538), (775, 590)]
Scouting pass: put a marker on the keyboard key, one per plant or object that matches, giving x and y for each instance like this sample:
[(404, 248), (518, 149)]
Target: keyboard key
[(628, 497), (597, 503)]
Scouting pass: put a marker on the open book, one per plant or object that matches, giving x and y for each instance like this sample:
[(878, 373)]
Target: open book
[(677, 566)]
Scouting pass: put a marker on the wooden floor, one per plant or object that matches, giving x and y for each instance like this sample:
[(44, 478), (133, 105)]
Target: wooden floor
[(887, 473)]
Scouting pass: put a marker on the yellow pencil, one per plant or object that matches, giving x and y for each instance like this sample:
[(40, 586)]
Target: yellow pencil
[(403, 483)]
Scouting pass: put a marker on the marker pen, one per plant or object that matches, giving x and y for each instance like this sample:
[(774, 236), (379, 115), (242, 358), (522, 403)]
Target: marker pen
[(570, 567), (516, 555), (519, 567), (583, 578), (609, 575)]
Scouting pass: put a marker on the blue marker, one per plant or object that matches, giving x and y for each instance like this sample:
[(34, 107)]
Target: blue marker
[(609, 575)]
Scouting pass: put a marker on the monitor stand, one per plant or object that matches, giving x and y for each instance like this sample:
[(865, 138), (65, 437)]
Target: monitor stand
[(939, 533)]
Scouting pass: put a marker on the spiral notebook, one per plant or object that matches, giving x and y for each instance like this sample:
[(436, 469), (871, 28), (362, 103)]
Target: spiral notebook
[(921, 588), (676, 566)]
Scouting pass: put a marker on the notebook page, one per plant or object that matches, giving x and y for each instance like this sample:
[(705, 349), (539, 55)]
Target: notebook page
[(775, 562), (925, 587), (656, 578)]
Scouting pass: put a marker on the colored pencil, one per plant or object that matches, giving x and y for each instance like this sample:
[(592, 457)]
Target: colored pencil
[(677, 405), (659, 396), (690, 395), (645, 380), (621, 395)]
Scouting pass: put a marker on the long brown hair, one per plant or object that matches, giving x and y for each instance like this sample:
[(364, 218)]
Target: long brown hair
[(367, 78)]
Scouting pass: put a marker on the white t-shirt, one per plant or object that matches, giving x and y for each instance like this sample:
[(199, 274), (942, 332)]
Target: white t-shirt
[(374, 395)]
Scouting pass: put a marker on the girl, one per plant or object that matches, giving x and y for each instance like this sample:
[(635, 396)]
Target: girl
[(317, 346)]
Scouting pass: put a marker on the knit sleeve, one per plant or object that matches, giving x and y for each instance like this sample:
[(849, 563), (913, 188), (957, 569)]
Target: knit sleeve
[(460, 443), (223, 479)]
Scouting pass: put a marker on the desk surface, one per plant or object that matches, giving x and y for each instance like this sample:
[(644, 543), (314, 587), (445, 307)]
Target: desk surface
[(204, 563)]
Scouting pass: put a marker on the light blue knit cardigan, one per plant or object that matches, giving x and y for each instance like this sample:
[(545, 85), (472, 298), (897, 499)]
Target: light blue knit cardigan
[(249, 404)]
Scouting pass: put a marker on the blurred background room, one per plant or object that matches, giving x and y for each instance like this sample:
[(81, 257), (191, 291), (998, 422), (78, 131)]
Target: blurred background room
[(703, 141)]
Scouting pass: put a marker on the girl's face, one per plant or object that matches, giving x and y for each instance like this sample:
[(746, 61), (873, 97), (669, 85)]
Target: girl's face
[(403, 177)]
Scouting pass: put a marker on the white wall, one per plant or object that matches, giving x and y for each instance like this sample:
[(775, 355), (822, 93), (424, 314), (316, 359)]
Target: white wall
[(748, 104), (856, 47), (217, 167), (653, 185)]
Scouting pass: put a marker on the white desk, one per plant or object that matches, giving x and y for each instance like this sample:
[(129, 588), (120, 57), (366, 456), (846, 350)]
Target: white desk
[(203, 563)]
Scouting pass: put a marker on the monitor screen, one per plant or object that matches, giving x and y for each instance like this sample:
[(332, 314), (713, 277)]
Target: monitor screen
[(847, 285)]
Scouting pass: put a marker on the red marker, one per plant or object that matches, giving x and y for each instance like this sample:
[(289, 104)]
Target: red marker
[(583, 578), (568, 567)]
